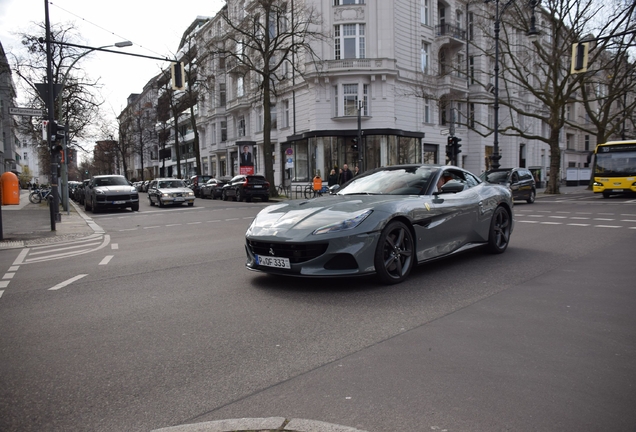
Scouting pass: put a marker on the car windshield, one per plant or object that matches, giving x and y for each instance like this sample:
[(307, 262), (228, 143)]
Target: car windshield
[(396, 181), (497, 176), (170, 184), (111, 181)]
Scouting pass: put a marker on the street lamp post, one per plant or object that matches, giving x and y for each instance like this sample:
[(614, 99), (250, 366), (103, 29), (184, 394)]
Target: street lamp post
[(495, 157), (60, 101)]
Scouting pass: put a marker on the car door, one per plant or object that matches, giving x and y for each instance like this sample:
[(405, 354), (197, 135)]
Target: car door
[(457, 214), (152, 191)]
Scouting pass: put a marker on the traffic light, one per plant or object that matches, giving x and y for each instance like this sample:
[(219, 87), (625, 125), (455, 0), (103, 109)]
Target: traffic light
[(579, 57), (57, 133), (456, 146), (354, 144), (178, 76), (449, 149)]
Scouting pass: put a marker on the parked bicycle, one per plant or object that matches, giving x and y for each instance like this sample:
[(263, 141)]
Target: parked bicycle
[(310, 192), (38, 195), (282, 190)]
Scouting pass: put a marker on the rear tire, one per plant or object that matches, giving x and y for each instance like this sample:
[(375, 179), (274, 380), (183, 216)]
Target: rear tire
[(224, 196), (395, 253), (532, 197), (500, 229)]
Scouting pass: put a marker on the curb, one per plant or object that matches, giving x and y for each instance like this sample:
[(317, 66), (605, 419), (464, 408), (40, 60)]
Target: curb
[(269, 424)]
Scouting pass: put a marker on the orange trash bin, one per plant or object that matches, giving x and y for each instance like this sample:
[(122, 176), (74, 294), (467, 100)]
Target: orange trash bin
[(10, 189)]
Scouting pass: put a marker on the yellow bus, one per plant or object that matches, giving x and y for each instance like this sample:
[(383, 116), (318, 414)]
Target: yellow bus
[(615, 168)]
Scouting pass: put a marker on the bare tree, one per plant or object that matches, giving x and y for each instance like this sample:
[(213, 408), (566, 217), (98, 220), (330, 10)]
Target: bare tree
[(260, 43), (80, 95), (539, 73)]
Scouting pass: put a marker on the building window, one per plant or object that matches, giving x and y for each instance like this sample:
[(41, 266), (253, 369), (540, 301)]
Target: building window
[(459, 66), (587, 144), (239, 87), (259, 119), (349, 41), (213, 133), (427, 110), (286, 113), (224, 131), (241, 126), (471, 30), (222, 99), (336, 101), (569, 141), (471, 115), (471, 69), (424, 57), (348, 104), (272, 110), (424, 12)]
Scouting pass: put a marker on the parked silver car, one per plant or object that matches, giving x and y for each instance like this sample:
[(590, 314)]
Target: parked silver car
[(110, 191)]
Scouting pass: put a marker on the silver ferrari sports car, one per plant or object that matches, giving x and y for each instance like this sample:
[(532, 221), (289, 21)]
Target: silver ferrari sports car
[(384, 222)]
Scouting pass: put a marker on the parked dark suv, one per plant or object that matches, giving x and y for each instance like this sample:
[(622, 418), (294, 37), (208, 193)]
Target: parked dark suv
[(196, 182), (245, 187), (519, 180)]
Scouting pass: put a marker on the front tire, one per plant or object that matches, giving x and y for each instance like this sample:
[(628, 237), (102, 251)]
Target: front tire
[(395, 253), (35, 198), (150, 201), (500, 229), (239, 195), (606, 195), (134, 207), (224, 196)]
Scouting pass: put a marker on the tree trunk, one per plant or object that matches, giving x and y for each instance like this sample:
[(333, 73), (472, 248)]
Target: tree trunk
[(197, 150), (555, 163)]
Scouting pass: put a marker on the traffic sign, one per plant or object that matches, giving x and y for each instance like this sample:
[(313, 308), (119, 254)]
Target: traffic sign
[(33, 112)]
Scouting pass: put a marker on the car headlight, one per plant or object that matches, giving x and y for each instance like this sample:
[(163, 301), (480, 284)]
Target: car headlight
[(165, 195), (99, 192), (190, 193), (345, 224), (133, 189)]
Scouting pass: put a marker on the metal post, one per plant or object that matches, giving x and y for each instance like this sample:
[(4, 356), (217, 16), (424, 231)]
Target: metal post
[(50, 103), (360, 146), (496, 156)]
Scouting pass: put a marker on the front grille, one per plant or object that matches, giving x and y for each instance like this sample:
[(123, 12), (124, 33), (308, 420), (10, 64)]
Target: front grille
[(296, 252), (117, 197)]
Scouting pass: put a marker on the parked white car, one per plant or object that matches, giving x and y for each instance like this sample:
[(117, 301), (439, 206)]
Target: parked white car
[(164, 191)]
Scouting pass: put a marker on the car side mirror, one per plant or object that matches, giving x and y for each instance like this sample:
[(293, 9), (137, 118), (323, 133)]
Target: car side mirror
[(333, 189), (453, 186)]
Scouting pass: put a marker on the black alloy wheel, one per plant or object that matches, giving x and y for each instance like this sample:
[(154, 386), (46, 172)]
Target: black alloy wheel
[(395, 253), (500, 229)]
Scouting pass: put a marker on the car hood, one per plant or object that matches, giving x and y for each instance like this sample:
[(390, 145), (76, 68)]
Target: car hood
[(175, 190), (115, 188), (297, 219)]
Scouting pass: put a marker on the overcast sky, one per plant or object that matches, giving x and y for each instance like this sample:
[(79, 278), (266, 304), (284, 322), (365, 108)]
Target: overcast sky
[(154, 26)]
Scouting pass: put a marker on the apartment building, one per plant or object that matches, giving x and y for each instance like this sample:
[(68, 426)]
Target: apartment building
[(391, 81)]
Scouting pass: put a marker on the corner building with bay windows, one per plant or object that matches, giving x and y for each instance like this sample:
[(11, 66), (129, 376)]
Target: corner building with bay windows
[(371, 66)]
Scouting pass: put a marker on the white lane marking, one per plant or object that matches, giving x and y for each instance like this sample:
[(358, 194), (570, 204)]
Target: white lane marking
[(249, 217), (14, 268), (564, 212), (622, 220), (152, 227), (216, 220), (53, 256), (1, 293), (607, 214), (193, 223), (603, 219), (588, 213), (128, 229), (532, 222), (106, 259), (558, 217), (535, 215), (579, 218), (66, 248), (8, 276), (583, 225), (232, 219), (627, 214), (551, 223), (4, 284), (66, 282), (20, 258), (607, 226), (114, 246), (170, 225)]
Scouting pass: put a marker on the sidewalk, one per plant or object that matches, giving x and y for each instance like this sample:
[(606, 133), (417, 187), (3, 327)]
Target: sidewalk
[(29, 224)]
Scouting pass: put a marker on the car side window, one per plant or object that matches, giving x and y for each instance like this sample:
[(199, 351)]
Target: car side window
[(471, 180)]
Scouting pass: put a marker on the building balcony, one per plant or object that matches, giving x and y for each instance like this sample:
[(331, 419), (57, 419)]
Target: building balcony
[(447, 34), (360, 65), (452, 83)]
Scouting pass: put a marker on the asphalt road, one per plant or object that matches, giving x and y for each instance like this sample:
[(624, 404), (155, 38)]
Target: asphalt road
[(161, 325)]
